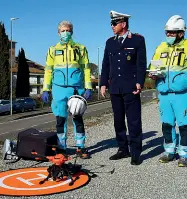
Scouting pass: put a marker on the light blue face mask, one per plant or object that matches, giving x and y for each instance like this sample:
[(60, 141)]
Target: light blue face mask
[(170, 40), (65, 36)]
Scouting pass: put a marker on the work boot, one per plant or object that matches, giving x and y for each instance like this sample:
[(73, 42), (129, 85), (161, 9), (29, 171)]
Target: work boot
[(82, 153), (167, 158), (135, 160), (119, 155), (182, 162)]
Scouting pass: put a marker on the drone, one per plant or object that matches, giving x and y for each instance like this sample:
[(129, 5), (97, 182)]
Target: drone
[(60, 170)]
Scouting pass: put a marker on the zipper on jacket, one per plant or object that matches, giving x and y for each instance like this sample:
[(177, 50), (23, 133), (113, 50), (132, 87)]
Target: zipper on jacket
[(173, 58), (66, 64), (167, 60), (169, 65)]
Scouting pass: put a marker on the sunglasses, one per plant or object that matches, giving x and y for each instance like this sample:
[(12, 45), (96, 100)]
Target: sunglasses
[(171, 32), (115, 23)]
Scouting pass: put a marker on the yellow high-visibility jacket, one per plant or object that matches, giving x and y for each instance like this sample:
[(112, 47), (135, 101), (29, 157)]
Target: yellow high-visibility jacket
[(174, 67), (67, 65)]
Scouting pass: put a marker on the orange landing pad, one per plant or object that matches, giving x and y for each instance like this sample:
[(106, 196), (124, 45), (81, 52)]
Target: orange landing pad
[(25, 182)]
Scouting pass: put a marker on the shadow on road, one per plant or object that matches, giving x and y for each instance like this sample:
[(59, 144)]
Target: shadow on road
[(155, 143), (103, 145), (154, 146)]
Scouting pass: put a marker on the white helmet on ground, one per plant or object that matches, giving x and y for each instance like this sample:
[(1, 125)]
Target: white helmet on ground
[(77, 105), (175, 23)]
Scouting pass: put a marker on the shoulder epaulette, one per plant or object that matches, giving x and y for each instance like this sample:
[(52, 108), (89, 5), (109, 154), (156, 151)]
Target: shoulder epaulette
[(138, 34)]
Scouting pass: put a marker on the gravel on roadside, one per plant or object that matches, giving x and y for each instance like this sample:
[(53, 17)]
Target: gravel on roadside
[(150, 180)]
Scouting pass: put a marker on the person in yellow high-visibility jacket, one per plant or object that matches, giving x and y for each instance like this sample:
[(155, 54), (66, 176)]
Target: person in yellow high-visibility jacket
[(67, 72), (171, 83)]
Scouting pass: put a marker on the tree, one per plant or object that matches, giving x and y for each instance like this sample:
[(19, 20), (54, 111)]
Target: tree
[(4, 64), (22, 84)]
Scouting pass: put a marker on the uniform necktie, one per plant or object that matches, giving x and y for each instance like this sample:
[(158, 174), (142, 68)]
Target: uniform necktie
[(120, 39)]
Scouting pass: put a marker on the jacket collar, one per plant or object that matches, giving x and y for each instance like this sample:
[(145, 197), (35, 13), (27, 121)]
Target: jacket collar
[(180, 43), (126, 35), (60, 44)]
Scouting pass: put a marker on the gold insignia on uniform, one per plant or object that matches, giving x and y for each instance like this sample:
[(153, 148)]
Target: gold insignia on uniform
[(128, 57)]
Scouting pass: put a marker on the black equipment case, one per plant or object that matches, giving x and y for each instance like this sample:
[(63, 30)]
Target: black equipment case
[(33, 140)]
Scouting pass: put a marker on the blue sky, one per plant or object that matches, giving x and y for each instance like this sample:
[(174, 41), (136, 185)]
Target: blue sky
[(36, 29)]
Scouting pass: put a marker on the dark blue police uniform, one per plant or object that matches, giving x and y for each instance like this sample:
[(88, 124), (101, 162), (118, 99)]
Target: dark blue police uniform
[(124, 65)]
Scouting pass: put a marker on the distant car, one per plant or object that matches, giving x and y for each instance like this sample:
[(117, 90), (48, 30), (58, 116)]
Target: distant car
[(4, 106), (22, 104), (18, 105)]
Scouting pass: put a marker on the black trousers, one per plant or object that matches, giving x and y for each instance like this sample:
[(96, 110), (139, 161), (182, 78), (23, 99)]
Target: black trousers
[(129, 105), (79, 131), (78, 122)]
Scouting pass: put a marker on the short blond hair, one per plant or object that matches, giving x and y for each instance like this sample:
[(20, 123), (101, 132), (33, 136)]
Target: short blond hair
[(65, 23)]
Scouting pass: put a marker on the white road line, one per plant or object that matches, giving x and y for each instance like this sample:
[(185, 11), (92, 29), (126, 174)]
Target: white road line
[(49, 122), (147, 96), (10, 132), (4, 133), (42, 115), (26, 118), (34, 125), (20, 129), (26, 128), (51, 114)]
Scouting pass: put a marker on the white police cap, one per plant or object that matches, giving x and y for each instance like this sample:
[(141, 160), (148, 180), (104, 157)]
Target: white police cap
[(116, 15)]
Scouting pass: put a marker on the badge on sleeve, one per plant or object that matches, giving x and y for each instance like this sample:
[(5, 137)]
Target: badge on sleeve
[(164, 55), (59, 52), (128, 57)]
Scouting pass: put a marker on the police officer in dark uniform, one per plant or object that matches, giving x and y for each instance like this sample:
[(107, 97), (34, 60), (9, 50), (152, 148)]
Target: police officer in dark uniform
[(123, 72)]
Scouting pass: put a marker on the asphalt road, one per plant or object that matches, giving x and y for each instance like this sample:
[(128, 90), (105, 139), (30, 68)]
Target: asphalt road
[(11, 128), (46, 120)]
